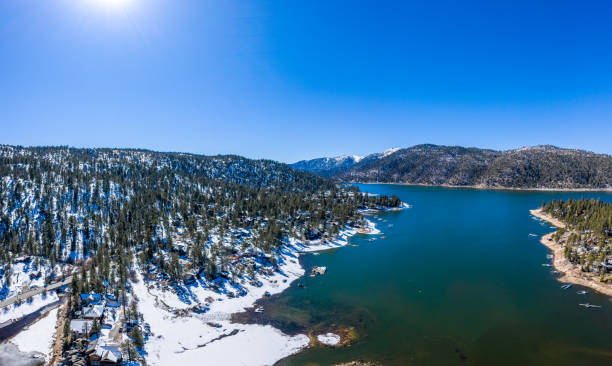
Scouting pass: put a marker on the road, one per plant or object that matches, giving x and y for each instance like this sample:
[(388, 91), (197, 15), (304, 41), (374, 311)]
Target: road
[(35, 291)]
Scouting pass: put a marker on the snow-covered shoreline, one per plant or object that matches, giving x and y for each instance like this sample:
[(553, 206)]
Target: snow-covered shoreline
[(182, 336), (191, 338)]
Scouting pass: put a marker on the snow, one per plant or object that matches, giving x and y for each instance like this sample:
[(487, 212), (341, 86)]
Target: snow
[(29, 306), (38, 336), (343, 239), (185, 339), (80, 325), (290, 269), (107, 352), (10, 355), (20, 279), (355, 158), (189, 340), (329, 339), (389, 151)]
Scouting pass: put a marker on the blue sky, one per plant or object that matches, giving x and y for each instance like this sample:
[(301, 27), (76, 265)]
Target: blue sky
[(290, 80)]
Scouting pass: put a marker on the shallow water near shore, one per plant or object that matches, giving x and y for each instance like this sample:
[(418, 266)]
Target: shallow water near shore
[(458, 280)]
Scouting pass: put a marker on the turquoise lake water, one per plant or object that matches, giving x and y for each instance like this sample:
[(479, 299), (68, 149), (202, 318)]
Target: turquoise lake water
[(457, 281)]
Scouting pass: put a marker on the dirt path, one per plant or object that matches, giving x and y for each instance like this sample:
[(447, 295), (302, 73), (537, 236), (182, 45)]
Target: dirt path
[(56, 354), (114, 333)]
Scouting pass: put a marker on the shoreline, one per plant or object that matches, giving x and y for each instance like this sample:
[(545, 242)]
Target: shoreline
[(189, 338), (490, 188), (570, 272)]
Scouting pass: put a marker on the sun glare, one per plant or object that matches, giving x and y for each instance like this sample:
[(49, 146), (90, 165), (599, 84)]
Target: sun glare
[(113, 4)]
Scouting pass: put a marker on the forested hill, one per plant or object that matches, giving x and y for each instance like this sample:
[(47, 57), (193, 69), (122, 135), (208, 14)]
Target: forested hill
[(327, 167), (587, 237), (531, 167), (64, 204)]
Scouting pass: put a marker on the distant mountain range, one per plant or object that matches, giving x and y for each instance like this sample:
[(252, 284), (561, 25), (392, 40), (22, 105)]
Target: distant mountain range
[(530, 167), (329, 167)]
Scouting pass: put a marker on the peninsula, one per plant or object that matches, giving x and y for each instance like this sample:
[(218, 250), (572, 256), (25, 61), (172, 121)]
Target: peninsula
[(581, 245)]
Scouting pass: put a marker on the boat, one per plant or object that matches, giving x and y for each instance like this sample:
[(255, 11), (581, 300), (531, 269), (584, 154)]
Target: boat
[(566, 286), (582, 292), (549, 256), (545, 265), (532, 235), (587, 305)]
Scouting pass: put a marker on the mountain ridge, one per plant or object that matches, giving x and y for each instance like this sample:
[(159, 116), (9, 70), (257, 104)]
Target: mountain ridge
[(531, 167)]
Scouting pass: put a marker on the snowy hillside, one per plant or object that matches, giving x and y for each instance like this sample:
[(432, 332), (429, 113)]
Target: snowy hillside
[(188, 230), (329, 167)]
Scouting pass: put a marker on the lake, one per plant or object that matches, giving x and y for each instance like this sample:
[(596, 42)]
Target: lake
[(458, 280)]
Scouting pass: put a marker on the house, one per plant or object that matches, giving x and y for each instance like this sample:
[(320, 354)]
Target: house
[(104, 354), (91, 298), (79, 327), (93, 312)]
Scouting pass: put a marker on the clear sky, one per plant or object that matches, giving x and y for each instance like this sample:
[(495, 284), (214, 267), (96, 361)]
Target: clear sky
[(290, 80)]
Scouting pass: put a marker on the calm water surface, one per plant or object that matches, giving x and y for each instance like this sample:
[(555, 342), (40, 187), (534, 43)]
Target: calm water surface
[(457, 281)]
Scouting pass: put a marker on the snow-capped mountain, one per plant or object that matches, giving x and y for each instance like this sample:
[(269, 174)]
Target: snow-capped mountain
[(331, 166), (328, 166)]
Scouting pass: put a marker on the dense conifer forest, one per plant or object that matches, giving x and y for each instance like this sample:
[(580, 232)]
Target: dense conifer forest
[(587, 234), (104, 206)]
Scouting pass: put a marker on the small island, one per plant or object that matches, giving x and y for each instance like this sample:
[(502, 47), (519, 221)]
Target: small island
[(581, 246)]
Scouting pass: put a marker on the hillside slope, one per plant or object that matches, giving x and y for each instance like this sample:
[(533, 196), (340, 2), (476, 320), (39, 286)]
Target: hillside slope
[(161, 234), (531, 167)]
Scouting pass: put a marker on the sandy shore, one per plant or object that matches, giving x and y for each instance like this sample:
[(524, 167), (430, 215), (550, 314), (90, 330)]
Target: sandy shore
[(570, 272), (494, 188), (546, 217)]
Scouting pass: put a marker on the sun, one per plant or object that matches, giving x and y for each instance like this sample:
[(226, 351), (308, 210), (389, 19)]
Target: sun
[(113, 4)]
